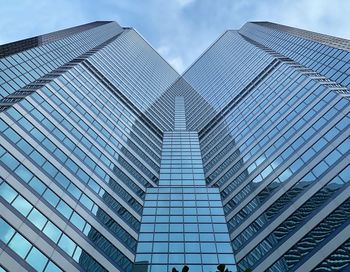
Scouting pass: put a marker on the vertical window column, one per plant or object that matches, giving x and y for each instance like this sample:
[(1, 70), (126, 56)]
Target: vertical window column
[(183, 221), (180, 117)]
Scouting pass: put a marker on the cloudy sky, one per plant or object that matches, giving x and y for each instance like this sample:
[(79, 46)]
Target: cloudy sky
[(179, 29)]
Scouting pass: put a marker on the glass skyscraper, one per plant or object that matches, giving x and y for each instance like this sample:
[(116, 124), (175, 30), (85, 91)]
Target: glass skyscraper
[(112, 161)]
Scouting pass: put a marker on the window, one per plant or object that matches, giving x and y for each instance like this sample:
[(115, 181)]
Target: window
[(22, 205), (20, 245), (6, 231), (37, 260), (37, 218), (52, 232), (67, 244)]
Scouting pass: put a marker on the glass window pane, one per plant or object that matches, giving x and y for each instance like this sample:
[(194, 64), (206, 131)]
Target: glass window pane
[(51, 267), (24, 173), (345, 174), (7, 192), (160, 247), (86, 201), (20, 245), (74, 190), (77, 254), (22, 205), (176, 247), (37, 185), (192, 247), (51, 197), (52, 232), (159, 258), (193, 258), (177, 258), (10, 161), (37, 218), (144, 247), (67, 244), (226, 258), (78, 221), (6, 231), (37, 260), (208, 247), (210, 258), (224, 247), (143, 257), (64, 209)]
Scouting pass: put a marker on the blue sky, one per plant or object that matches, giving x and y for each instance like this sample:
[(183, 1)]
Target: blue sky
[(179, 29)]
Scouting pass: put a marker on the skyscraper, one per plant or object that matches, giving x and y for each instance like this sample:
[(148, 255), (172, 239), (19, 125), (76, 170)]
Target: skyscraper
[(112, 161)]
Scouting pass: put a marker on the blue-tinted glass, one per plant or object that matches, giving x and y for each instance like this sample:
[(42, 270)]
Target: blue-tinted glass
[(52, 232), (37, 158), (9, 161), (193, 258), (7, 192), (22, 205), (87, 202), (144, 247), (210, 258), (77, 254), (77, 221), (252, 105), (37, 185), (74, 190), (51, 267), (192, 247), (67, 244), (6, 231), (24, 173), (177, 258), (143, 257), (224, 247), (146, 237), (176, 247), (226, 258), (64, 209), (160, 258), (20, 245), (37, 218), (63, 180), (160, 247), (345, 174), (51, 197), (37, 260)]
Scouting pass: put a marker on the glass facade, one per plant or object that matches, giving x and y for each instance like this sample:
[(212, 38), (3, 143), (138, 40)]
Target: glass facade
[(112, 161), (183, 221)]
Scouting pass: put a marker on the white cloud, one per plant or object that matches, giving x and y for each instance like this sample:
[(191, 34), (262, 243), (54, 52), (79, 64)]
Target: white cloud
[(163, 50), (177, 63)]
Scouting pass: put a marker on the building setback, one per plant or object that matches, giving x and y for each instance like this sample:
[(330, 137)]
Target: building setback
[(112, 161)]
